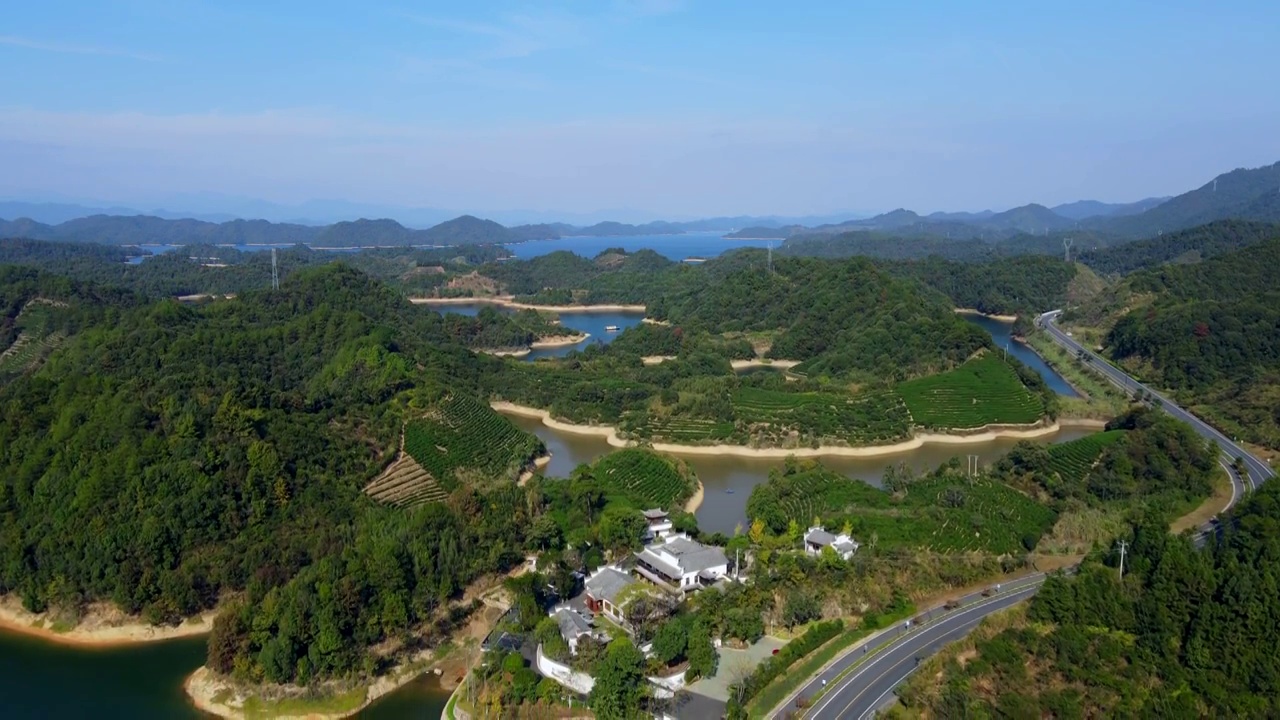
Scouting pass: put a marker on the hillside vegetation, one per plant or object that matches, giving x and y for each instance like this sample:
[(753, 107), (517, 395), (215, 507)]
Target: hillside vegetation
[(1187, 633), (1208, 332), (167, 455)]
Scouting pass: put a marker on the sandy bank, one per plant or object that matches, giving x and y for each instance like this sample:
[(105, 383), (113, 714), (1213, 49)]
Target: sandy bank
[(610, 434), (736, 364), (651, 321), (538, 464), (695, 501), (1001, 318), (764, 363), (509, 301), (507, 353), (204, 296), (216, 696), (560, 341), (102, 625)]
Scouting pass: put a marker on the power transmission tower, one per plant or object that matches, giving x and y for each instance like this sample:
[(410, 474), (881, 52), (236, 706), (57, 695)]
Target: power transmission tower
[(1066, 247), (1124, 545), (275, 271), (770, 244)]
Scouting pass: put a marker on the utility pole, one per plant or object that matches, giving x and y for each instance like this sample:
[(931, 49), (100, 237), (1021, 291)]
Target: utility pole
[(770, 244), (275, 272), (1123, 546)]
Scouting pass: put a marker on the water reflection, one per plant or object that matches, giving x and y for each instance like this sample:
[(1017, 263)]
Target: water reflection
[(728, 480)]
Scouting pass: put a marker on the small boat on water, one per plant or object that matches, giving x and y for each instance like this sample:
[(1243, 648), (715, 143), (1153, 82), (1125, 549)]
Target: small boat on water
[(729, 490), (611, 328)]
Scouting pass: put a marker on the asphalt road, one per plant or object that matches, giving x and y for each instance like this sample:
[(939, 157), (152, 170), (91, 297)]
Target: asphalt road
[(1258, 470), (864, 679), (870, 685)]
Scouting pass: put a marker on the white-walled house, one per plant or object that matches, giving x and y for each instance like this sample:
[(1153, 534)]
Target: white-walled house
[(573, 626), (659, 524), (682, 564), (604, 590), (816, 538)]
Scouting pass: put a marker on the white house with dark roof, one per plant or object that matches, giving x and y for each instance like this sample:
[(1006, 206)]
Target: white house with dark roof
[(682, 564), (659, 524), (816, 538), (573, 625), (604, 590)]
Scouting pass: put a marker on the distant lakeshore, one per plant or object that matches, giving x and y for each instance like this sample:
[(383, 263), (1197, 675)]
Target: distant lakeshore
[(509, 301)]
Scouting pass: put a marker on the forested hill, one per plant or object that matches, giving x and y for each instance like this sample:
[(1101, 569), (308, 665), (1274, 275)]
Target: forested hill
[(841, 317), (1208, 331), (169, 454), (1186, 634), (1185, 246)]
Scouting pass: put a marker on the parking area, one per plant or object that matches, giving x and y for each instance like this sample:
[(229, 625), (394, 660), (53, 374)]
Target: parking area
[(735, 664)]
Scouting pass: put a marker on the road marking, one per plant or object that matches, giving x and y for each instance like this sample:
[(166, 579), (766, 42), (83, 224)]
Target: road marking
[(961, 630), (889, 646)]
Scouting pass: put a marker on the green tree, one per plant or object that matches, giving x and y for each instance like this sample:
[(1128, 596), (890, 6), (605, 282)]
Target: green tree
[(620, 683)]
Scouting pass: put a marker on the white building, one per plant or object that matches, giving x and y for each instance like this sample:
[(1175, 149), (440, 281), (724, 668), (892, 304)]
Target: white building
[(573, 626), (816, 538), (605, 592), (659, 524), (682, 564)]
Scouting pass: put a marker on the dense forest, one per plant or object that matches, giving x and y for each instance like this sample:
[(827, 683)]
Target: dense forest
[(1210, 332), (1186, 246), (169, 454), (1185, 633), (1024, 286)]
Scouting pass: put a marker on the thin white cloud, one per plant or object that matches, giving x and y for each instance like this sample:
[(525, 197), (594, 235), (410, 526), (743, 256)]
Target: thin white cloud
[(69, 49)]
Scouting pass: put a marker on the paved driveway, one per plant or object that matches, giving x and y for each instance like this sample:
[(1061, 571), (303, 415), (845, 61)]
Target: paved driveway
[(734, 664)]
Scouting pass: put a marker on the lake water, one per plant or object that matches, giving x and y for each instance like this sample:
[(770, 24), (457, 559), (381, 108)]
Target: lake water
[(42, 680), (1001, 333), (723, 510), (675, 247), (592, 323)]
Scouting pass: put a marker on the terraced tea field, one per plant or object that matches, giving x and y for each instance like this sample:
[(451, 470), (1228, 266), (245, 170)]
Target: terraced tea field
[(1073, 460), (680, 430), (27, 352), (942, 514), (855, 419), (405, 484), (984, 391), (645, 477), (459, 440)]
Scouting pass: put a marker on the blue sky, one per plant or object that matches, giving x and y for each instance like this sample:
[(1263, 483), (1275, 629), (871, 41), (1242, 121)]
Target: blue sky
[(663, 107)]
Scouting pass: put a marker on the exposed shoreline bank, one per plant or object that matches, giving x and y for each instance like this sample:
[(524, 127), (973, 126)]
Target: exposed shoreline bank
[(695, 501), (211, 694), (559, 341), (610, 435), (735, 364), (510, 302), (101, 626), (1001, 318)]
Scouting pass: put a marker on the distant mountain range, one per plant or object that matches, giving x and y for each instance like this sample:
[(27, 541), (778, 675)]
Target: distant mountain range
[(1240, 194)]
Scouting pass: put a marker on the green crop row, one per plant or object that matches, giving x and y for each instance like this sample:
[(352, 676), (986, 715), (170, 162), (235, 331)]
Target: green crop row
[(464, 435), (648, 478), (1073, 460), (983, 391)]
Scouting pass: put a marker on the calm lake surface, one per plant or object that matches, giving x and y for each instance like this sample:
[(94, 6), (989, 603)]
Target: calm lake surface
[(42, 680), (592, 323), (728, 480)]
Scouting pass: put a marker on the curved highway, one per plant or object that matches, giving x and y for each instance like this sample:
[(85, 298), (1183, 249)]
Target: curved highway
[(862, 680), (1258, 471)]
